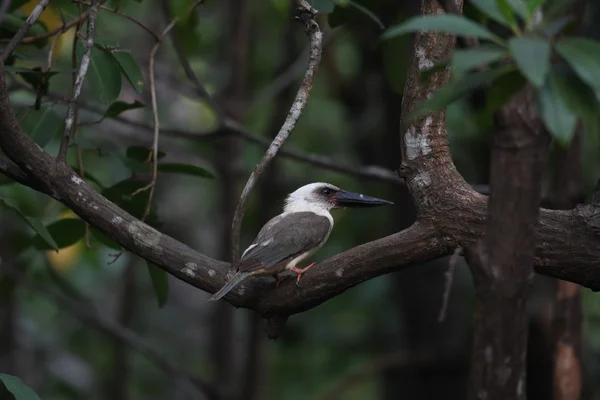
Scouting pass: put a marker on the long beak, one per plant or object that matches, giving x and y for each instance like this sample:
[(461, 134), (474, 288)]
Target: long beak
[(350, 199)]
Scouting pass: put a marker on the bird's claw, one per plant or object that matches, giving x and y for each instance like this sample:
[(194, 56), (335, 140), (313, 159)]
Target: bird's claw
[(299, 272)]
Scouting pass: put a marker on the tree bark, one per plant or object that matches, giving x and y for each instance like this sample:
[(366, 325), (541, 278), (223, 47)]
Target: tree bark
[(565, 193), (502, 260)]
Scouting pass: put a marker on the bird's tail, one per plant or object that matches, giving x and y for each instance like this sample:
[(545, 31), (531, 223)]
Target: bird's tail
[(236, 279)]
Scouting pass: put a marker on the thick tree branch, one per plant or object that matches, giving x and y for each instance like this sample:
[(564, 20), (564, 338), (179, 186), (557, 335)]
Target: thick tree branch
[(306, 14), (567, 247)]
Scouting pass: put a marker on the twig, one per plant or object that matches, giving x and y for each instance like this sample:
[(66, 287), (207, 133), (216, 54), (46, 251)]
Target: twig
[(3, 8), (155, 120), (306, 14), (449, 279), (130, 338), (16, 40), (62, 28), (51, 51), (85, 61)]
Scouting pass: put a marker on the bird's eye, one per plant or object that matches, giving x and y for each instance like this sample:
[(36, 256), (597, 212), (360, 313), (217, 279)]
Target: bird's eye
[(326, 191)]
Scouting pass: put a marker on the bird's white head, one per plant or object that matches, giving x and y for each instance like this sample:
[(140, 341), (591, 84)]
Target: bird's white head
[(321, 197)]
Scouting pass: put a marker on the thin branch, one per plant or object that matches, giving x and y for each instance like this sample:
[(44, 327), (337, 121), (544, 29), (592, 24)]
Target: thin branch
[(156, 122), (306, 14), (88, 314), (85, 61), (51, 52), (63, 28), (16, 40), (449, 280)]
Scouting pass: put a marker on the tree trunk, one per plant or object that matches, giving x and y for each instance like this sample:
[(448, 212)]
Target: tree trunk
[(566, 193), (502, 260)]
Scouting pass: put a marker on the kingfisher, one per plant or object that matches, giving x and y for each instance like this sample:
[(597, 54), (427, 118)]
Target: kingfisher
[(296, 234)]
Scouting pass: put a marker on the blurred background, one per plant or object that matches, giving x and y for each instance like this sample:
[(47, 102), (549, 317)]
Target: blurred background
[(84, 323)]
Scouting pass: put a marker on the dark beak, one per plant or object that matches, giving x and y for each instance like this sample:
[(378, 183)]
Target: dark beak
[(350, 199)]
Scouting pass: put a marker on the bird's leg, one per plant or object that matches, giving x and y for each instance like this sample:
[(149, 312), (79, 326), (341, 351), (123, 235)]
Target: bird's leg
[(300, 272)]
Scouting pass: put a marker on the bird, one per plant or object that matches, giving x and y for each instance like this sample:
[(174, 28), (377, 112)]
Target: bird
[(296, 234)]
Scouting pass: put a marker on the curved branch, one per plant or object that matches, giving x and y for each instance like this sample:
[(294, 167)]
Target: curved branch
[(306, 14)]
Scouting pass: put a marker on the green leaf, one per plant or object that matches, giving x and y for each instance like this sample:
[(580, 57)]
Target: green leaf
[(583, 55), (119, 107), (532, 56), (367, 12), (520, 8), (41, 125), (104, 74), (555, 112), (533, 5), (499, 92), (160, 282), (140, 153), (38, 79), (34, 223), (13, 23), (447, 23), (455, 89), (508, 13), (18, 389), (122, 195), (492, 10), (66, 232), (580, 99), (130, 68), (185, 169), (322, 6), (465, 60)]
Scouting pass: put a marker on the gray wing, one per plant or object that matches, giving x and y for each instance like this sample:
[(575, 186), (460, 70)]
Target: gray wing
[(283, 238)]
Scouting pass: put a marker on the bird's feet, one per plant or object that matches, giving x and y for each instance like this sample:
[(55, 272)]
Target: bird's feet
[(300, 272)]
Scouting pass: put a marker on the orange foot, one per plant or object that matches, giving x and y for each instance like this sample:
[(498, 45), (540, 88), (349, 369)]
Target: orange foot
[(300, 272)]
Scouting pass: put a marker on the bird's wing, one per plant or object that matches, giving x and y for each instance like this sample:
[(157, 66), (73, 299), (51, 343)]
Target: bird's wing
[(283, 238)]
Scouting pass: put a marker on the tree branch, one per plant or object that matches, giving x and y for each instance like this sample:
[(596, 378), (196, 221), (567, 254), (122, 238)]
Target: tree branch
[(306, 14), (85, 61), (16, 40), (451, 215)]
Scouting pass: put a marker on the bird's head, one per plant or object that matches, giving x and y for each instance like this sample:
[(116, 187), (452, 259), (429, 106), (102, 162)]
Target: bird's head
[(325, 196)]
